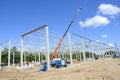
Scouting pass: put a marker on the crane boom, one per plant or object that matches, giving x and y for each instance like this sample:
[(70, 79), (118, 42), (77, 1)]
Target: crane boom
[(61, 40)]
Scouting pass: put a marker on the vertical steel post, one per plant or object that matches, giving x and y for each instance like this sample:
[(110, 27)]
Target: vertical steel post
[(42, 55), (35, 57), (109, 53), (99, 49), (13, 58), (39, 57), (76, 56), (93, 58), (83, 50), (9, 53), (24, 57), (90, 56), (113, 51), (103, 51), (69, 46), (107, 50), (47, 47), (80, 56), (21, 62)]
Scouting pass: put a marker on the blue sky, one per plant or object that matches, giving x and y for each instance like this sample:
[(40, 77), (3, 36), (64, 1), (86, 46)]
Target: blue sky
[(98, 20)]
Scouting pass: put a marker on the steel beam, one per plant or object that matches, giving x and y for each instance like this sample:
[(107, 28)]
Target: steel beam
[(34, 30)]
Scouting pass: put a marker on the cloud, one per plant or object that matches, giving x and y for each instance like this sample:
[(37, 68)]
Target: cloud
[(109, 9), (97, 40), (95, 21), (111, 45), (104, 36)]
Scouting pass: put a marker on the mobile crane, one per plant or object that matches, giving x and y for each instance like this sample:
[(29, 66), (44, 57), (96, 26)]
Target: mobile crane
[(61, 40)]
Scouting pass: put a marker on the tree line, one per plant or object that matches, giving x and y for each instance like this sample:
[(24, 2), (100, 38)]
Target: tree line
[(31, 57)]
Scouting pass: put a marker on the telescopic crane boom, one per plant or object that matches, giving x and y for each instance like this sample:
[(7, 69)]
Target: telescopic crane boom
[(61, 40)]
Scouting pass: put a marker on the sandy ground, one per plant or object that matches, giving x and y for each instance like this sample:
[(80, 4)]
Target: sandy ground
[(108, 69)]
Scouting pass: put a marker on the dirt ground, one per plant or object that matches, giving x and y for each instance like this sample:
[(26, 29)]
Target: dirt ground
[(108, 69)]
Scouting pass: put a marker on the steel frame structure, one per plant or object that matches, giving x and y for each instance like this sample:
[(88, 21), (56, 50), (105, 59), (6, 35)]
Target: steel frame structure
[(46, 39)]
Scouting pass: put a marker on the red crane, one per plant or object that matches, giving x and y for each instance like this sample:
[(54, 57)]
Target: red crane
[(61, 40)]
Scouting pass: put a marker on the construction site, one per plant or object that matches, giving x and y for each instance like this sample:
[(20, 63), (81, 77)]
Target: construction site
[(78, 59), (44, 55)]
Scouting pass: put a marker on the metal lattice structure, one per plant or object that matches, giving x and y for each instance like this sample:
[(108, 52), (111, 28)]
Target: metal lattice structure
[(34, 41), (88, 49)]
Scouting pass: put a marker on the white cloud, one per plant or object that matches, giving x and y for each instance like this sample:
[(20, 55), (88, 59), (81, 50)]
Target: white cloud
[(95, 21), (111, 45), (98, 41), (104, 36), (109, 9)]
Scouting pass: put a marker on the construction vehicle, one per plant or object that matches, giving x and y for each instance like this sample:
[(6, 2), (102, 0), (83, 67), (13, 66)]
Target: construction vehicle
[(59, 62), (61, 40)]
